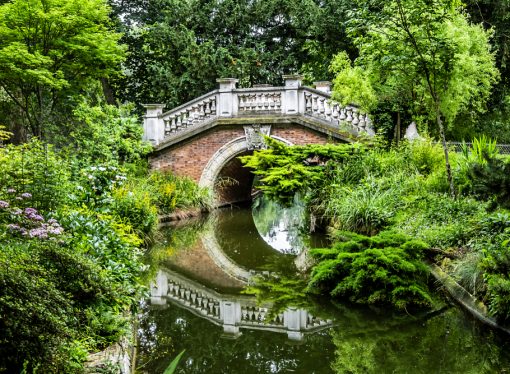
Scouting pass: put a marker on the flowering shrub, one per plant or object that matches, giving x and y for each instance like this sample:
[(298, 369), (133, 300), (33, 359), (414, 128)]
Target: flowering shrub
[(98, 182), (38, 171), (28, 222)]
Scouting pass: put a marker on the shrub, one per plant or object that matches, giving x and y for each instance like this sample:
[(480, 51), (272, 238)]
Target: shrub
[(366, 208), (106, 134), (132, 203), (497, 276), (385, 269), (36, 169), (172, 192)]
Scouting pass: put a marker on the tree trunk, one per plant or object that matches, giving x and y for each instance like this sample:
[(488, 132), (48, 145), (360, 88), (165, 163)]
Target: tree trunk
[(445, 149), (108, 92), (397, 129)]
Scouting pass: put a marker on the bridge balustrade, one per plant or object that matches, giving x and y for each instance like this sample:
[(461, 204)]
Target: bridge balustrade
[(233, 312), (264, 101)]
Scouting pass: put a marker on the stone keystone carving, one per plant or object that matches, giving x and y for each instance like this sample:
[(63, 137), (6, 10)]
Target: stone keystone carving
[(255, 136)]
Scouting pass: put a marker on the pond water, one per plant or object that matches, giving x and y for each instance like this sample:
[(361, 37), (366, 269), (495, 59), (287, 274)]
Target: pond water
[(197, 305)]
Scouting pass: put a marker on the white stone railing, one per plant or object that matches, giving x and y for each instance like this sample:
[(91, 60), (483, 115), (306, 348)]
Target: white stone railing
[(267, 100), (231, 312), (319, 105), (228, 101)]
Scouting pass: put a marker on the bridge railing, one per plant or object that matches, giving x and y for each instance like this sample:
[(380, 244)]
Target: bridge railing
[(292, 99), (231, 312)]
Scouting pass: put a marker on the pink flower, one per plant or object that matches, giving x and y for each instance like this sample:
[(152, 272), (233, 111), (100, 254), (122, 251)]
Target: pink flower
[(4, 204)]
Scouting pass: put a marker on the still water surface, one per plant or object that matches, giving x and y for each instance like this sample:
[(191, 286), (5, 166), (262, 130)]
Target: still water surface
[(221, 329)]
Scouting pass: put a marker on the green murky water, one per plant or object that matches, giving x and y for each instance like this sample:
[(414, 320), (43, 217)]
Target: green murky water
[(202, 264)]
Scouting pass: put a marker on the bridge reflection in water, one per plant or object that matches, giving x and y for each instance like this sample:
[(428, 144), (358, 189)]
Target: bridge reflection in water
[(233, 312), (207, 277)]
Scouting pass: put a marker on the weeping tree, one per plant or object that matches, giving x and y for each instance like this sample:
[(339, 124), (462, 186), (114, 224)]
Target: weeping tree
[(425, 51)]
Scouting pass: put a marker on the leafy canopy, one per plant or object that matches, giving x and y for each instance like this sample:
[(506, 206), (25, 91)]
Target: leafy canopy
[(49, 51), (286, 170)]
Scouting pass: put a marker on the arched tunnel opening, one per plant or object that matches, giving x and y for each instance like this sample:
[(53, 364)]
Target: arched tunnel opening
[(234, 182)]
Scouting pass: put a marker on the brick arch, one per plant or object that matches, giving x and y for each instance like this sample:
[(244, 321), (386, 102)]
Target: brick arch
[(225, 164)]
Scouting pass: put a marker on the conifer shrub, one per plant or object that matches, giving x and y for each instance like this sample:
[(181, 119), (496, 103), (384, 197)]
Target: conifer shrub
[(385, 269), (497, 268)]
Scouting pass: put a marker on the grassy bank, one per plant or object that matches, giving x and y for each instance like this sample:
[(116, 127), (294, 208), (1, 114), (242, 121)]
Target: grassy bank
[(388, 209)]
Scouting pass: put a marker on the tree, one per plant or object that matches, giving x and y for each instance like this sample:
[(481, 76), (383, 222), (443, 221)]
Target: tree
[(50, 51), (430, 51), (178, 48)]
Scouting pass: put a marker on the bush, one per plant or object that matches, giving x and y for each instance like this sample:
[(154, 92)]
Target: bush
[(62, 284), (106, 134), (385, 269), (172, 192), (366, 209), (133, 203), (36, 169), (497, 276)]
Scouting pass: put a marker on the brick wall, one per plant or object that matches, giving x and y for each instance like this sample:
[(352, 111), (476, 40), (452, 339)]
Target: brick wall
[(191, 156)]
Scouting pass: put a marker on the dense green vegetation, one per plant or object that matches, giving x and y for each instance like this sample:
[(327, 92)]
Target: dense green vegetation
[(78, 206), (403, 190), (71, 270)]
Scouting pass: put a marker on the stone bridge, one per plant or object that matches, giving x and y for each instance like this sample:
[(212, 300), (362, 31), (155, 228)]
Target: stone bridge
[(203, 138)]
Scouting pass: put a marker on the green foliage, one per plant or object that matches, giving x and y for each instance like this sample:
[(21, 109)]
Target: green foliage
[(173, 365), (34, 168), (105, 134), (351, 85), (171, 192), (287, 170), (365, 209), (384, 269), (497, 269), (490, 178), (134, 204), (49, 52), (55, 293), (177, 49)]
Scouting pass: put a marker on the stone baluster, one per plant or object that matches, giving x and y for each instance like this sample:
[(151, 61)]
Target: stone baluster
[(201, 113), (315, 106), (278, 99), (178, 123), (355, 119), (321, 106), (167, 126), (190, 118), (349, 114), (362, 123), (308, 102), (213, 106), (343, 116), (327, 111), (335, 113)]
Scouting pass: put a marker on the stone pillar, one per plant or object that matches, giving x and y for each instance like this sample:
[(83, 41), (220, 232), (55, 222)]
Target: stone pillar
[(230, 313), (159, 289), (227, 104), (153, 125), (294, 320), (291, 102), (324, 86)]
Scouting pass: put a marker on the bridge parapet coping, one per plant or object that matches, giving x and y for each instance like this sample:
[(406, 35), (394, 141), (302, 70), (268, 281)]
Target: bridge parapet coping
[(262, 100)]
